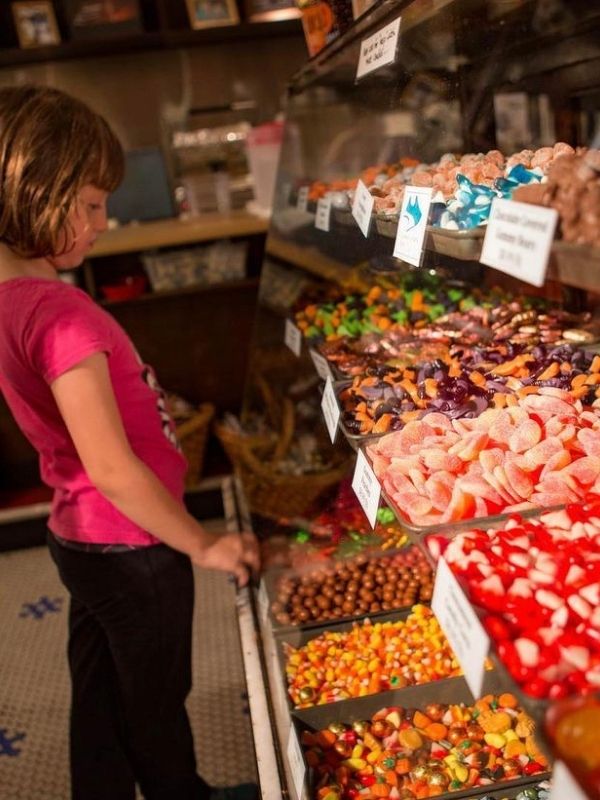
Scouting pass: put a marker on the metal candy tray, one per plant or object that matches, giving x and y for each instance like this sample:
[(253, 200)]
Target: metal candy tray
[(344, 218), (445, 691), (271, 580), (463, 245), (299, 637), (473, 522)]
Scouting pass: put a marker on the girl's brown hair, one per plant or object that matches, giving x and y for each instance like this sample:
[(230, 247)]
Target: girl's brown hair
[(51, 145)]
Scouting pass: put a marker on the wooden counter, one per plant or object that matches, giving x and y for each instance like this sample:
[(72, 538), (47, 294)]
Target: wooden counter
[(174, 232)]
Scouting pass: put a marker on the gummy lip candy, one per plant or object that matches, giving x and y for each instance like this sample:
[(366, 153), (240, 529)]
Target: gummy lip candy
[(538, 582)]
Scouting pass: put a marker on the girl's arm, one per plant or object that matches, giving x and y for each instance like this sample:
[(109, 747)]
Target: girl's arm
[(87, 404)]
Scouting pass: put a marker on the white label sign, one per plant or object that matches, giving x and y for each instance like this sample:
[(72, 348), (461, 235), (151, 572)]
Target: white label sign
[(518, 239), (564, 785), (412, 225), (362, 207), (263, 601), (379, 49), (302, 201), (461, 625), (296, 762), (293, 337), (366, 488), (331, 409), (321, 365), (323, 217)]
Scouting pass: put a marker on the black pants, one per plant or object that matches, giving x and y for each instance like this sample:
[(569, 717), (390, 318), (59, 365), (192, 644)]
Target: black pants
[(130, 628)]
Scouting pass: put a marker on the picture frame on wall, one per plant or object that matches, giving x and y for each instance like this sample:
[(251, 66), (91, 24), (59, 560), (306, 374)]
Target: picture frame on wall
[(35, 23), (271, 10), (211, 13), (91, 18)]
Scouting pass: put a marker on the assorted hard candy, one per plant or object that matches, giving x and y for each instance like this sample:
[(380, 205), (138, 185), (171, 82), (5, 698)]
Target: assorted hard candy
[(539, 583), (404, 753), (369, 658), (539, 452)]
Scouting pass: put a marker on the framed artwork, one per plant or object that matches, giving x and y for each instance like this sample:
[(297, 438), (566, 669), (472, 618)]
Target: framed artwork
[(35, 24), (209, 13), (271, 10), (88, 18)]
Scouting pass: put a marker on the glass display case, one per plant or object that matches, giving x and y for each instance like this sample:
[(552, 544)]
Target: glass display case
[(434, 247)]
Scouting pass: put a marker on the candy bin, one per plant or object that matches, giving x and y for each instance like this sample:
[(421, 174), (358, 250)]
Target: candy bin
[(573, 727), (339, 531), (537, 582), (538, 452), (341, 590), (419, 743), (357, 659)]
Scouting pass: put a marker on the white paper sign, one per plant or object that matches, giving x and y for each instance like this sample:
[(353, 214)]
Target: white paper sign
[(322, 220), (564, 786), (296, 762), (412, 225), (331, 409), (263, 601), (518, 239), (461, 626), (321, 365), (293, 337), (379, 49), (302, 201), (362, 207), (366, 488)]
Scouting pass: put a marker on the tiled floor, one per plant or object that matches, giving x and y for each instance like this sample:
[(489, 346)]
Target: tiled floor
[(34, 684)]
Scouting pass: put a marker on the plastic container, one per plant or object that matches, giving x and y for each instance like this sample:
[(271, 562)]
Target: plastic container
[(262, 146)]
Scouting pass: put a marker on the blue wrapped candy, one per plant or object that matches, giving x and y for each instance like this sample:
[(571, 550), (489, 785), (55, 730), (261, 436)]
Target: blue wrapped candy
[(470, 206), (517, 176)]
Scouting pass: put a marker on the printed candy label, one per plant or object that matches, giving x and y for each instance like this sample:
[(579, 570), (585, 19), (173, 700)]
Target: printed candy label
[(366, 488), (412, 225), (461, 626), (293, 337), (518, 240), (331, 409), (322, 220), (362, 207)]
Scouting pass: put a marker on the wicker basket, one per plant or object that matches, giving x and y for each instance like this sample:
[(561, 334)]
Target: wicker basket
[(192, 435), (268, 491)]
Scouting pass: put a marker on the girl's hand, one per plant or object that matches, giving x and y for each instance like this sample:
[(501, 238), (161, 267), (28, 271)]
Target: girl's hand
[(236, 553)]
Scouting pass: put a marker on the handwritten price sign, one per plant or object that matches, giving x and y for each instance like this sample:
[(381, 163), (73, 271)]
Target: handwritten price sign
[(379, 49)]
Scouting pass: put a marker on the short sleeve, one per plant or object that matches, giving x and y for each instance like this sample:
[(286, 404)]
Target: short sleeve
[(64, 329)]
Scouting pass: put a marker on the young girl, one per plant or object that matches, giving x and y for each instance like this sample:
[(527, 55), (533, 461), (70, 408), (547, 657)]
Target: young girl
[(118, 531)]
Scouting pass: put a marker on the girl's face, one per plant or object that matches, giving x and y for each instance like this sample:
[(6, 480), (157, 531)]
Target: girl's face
[(85, 223)]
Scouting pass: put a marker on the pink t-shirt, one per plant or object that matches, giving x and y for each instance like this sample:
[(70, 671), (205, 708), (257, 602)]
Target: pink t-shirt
[(46, 328)]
